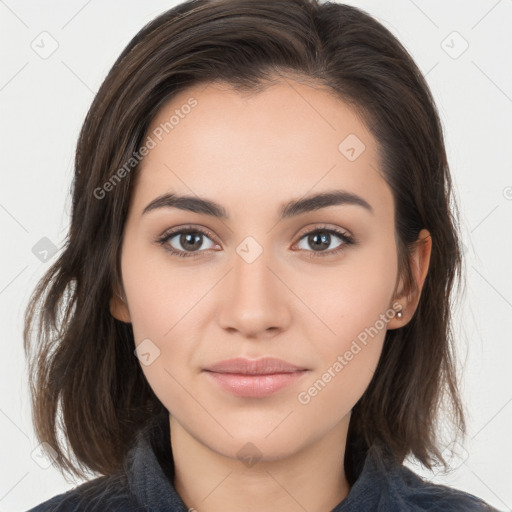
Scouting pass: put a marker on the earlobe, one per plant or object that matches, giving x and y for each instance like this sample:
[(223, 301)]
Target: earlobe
[(119, 308)]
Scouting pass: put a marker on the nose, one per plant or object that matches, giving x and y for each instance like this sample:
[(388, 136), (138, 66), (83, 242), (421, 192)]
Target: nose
[(255, 301)]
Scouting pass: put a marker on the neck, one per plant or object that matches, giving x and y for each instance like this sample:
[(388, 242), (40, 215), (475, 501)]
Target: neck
[(312, 478)]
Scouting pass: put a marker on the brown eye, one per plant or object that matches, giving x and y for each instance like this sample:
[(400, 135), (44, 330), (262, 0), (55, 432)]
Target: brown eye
[(321, 242), (186, 242)]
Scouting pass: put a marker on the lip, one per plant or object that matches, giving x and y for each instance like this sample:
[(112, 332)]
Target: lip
[(254, 378), (263, 366)]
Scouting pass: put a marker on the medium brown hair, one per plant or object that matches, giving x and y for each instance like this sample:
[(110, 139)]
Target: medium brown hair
[(84, 377)]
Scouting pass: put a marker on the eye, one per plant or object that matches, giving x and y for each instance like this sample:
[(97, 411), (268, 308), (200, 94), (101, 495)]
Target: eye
[(322, 238), (186, 241)]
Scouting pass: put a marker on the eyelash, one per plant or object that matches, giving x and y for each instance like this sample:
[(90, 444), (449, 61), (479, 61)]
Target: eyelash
[(347, 240)]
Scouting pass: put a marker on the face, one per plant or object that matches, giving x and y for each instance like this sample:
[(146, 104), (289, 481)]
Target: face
[(309, 286)]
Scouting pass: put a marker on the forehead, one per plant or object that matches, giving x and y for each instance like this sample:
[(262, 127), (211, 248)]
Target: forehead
[(285, 141)]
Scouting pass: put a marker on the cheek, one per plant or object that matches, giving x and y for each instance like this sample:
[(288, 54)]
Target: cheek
[(160, 292), (348, 358), (351, 306), (351, 298), (164, 302)]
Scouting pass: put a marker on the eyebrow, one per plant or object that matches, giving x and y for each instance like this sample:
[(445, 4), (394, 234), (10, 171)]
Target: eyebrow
[(291, 209)]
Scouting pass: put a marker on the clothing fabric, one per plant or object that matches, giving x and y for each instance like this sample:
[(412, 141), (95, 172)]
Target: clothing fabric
[(146, 484)]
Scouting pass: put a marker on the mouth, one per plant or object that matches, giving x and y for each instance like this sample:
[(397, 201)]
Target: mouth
[(263, 366), (254, 378)]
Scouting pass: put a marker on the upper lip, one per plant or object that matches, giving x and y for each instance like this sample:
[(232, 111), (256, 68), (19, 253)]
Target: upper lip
[(264, 366)]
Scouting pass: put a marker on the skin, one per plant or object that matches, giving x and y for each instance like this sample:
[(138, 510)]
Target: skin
[(251, 154)]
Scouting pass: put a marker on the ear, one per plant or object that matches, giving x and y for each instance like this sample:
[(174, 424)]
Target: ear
[(119, 307), (419, 261)]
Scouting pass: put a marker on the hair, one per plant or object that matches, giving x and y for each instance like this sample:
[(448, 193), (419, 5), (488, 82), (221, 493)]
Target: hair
[(84, 377)]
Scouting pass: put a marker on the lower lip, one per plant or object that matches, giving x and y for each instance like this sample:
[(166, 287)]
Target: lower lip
[(255, 385)]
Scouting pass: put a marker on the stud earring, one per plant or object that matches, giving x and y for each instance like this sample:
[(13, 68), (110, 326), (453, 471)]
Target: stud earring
[(399, 314)]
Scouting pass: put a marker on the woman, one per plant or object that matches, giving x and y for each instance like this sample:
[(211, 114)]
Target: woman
[(252, 311)]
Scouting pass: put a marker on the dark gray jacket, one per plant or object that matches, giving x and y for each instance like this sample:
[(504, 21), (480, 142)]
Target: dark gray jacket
[(146, 485)]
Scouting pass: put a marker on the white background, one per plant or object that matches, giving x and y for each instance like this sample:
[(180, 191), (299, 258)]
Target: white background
[(43, 103)]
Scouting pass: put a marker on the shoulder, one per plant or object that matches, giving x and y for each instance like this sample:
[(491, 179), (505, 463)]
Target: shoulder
[(390, 485), (103, 493), (421, 495)]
